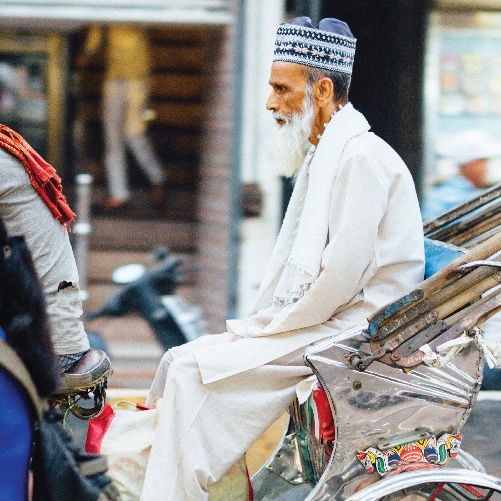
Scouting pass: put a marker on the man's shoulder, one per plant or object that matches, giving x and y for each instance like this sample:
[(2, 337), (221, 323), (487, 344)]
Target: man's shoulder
[(8, 160), (371, 147), (14, 175), (368, 144)]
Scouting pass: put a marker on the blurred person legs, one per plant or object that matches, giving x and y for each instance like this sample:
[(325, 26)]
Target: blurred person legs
[(124, 125)]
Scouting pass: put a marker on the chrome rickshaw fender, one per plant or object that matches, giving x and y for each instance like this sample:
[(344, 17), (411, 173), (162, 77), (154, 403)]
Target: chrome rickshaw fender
[(377, 407), (385, 405)]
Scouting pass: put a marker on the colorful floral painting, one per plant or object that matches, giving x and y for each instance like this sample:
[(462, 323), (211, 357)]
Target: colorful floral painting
[(428, 450)]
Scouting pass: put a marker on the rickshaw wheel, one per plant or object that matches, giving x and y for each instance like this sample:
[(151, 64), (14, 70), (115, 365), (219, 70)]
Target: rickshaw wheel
[(441, 492), (444, 484)]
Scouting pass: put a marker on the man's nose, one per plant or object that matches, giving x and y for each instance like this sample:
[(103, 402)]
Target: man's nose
[(271, 104)]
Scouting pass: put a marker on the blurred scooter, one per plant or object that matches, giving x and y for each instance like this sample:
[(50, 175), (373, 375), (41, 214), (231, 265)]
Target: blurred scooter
[(150, 293)]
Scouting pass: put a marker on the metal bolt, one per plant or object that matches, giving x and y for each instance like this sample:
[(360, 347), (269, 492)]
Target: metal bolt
[(356, 385), (395, 356)]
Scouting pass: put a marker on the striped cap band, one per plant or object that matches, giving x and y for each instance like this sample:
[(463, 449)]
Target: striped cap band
[(314, 47)]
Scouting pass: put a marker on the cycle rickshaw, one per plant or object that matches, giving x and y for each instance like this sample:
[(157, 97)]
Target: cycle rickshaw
[(385, 414)]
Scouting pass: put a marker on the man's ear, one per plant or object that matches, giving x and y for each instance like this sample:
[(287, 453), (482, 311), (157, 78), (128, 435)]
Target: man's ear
[(324, 92)]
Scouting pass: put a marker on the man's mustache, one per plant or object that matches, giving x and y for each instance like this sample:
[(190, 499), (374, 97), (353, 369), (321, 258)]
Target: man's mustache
[(280, 116)]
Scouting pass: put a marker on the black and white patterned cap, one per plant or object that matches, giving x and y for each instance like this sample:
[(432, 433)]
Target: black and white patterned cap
[(331, 46)]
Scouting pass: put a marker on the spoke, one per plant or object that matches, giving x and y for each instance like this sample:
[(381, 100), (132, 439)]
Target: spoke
[(478, 495), (435, 494)]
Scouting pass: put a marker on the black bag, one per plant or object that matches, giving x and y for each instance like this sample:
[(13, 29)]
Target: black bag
[(62, 470)]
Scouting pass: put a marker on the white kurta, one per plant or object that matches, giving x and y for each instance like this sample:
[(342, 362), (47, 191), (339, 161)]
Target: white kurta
[(374, 254), (219, 395)]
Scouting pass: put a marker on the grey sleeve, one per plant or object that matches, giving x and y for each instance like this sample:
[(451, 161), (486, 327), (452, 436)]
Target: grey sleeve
[(25, 213)]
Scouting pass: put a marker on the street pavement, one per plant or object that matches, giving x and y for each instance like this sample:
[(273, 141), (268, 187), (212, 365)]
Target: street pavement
[(482, 432)]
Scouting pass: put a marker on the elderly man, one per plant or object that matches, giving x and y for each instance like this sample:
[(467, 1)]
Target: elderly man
[(351, 241)]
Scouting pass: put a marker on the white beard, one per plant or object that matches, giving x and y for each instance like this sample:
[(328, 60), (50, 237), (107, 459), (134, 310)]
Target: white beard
[(291, 139)]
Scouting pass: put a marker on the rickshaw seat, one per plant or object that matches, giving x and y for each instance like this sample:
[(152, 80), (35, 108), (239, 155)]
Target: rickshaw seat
[(438, 255)]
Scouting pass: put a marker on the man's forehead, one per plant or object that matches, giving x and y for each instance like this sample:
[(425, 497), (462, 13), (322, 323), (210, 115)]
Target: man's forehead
[(285, 72)]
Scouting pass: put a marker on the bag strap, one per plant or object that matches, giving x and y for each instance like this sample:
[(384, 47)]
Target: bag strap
[(11, 362)]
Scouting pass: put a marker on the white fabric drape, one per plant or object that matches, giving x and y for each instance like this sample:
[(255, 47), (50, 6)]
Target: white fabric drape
[(295, 262)]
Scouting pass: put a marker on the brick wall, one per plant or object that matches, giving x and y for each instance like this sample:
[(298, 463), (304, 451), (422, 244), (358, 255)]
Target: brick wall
[(214, 196)]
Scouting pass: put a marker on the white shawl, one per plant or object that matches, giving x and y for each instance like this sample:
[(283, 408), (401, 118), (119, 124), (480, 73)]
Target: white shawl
[(296, 258)]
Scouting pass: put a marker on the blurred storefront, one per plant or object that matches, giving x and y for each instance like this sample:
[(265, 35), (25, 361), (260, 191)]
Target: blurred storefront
[(462, 82), (40, 41), (31, 88), (56, 104)]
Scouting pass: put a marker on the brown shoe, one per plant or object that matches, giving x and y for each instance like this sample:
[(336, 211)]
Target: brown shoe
[(114, 204), (87, 372), (158, 196), (85, 378)]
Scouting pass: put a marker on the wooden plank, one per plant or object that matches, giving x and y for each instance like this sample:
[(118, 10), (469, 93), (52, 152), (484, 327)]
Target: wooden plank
[(436, 223), (166, 113), (130, 328), (140, 235), (432, 284), (92, 82), (175, 86), (177, 114), (163, 85), (174, 142), (101, 264), (482, 227), (185, 34), (183, 58), (131, 378), (469, 226), (99, 293), (180, 201)]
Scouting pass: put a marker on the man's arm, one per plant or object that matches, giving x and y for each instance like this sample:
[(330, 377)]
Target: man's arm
[(25, 213), (358, 204)]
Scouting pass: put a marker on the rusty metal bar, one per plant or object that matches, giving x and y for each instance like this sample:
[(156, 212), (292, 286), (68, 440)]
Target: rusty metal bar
[(471, 224), (461, 210)]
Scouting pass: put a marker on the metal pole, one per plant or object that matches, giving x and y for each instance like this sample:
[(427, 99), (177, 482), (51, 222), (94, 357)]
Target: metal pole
[(83, 229)]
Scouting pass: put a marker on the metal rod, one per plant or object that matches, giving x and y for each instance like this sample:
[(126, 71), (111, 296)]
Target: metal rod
[(83, 229)]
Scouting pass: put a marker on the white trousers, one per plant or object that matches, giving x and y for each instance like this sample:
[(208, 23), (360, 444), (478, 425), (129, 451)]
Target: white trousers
[(123, 108), (204, 429)]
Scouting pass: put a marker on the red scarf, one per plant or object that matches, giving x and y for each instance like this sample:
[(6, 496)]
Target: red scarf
[(43, 176)]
